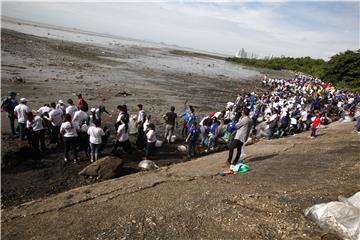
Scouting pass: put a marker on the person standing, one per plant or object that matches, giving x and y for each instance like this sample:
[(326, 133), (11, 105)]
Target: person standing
[(121, 110), (20, 112), (84, 139), (150, 141), (80, 116), (170, 121), (61, 106), (357, 118), (36, 129), (140, 124), (69, 130), (315, 125), (243, 128), (192, 138), (8, 105), (122, 136), (56, 119), (71, 108), (96, 133), (82, 102)]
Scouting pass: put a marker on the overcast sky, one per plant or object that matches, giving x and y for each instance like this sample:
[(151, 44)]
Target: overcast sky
[(317, 29)]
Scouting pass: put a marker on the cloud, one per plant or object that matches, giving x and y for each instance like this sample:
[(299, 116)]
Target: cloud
[(291, 28)]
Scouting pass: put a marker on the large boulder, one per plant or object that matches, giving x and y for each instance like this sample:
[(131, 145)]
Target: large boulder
[(104, 168)]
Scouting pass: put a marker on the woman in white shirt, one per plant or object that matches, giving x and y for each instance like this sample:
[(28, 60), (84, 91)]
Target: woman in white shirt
[(69, 130), (151, 140), (122, 136), (96, 133), (36, 129)]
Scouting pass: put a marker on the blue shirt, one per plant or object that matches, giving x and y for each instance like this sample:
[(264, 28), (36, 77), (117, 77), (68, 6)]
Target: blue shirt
[(213, 127), (190, 120), (194, 131)]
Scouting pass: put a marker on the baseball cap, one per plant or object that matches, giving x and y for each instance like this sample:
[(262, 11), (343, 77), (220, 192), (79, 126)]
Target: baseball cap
[(23, 100)]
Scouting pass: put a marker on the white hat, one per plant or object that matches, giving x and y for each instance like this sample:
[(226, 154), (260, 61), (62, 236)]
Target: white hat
[(23, 100), (92, 110), (252, 93), (60, 101)]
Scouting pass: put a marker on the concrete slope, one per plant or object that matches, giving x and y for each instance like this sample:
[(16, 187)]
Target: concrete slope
[(188, 200)]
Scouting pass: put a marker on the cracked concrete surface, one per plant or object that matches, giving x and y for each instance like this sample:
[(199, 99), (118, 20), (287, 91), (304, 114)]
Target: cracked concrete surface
[(187, 200)]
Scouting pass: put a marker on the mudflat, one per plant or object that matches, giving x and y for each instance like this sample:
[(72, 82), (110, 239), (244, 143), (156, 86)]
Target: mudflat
[(46, 69)]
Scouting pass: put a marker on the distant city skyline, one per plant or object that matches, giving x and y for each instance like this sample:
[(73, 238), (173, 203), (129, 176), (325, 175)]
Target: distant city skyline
[(297, 29)]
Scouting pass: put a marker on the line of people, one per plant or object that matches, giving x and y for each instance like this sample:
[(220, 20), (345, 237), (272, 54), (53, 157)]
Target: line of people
[(286, 107)]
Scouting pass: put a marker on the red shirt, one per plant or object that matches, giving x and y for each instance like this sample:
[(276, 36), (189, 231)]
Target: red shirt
[(80, 102), (316, 123)]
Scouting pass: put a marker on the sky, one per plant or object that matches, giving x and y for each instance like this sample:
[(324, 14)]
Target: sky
[(297, 29)]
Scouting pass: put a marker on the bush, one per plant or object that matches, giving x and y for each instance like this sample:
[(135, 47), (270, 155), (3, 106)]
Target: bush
[(343, 69)]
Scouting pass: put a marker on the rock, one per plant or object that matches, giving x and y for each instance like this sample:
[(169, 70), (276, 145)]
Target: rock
[(79, 77), (18, 80), (123, 93), (148, 165), (181, 148), (104, 168)]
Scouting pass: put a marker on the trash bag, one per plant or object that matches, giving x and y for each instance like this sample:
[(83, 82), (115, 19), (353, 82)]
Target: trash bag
[(340, 218), (148, 165), (182, 148), (240, 167)]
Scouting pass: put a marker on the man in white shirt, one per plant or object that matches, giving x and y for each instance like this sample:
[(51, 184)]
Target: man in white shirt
[(44, 109), (140, 124), (80, 116), (61, 106), (20, 112), (151, 141), (71, 109), (56, 119)]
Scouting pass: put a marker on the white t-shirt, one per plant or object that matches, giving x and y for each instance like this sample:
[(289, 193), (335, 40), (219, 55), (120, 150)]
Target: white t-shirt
[(141, 116), (85, 128), (80, 116), (43, 109), (304, 116), (62, 107), (71, 109), (56, 116), (151, 136), (21, 111), (69, 131), (119, 116), (122, 135), (95, 134), (146, 124), (36, 125)]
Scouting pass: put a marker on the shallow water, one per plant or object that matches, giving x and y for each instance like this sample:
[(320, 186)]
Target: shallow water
[(155, 56)]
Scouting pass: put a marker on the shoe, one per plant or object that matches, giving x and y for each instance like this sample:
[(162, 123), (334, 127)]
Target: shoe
[(212, 149), (65, 160), (206, 151)]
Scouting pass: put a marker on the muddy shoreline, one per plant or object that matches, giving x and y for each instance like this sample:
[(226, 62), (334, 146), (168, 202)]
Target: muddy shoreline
[(45, 70)]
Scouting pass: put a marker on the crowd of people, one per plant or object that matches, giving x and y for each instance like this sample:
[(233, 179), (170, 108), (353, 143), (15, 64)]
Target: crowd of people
[(285, 107)]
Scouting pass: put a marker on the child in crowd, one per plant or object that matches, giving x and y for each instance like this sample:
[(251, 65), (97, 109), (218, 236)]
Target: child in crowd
[(315, 126)]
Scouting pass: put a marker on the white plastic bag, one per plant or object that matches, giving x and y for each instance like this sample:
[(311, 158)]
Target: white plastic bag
[(340, 218)]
